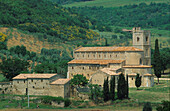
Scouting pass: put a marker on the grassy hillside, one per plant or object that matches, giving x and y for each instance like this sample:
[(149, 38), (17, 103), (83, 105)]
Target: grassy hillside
[(112, 3), (33, 41), (45, 17)]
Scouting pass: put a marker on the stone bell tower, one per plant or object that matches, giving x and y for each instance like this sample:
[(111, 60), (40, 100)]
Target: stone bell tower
[(142, 40)]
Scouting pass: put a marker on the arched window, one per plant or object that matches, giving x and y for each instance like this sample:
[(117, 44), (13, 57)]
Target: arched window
[(140, 61), (138, 39)]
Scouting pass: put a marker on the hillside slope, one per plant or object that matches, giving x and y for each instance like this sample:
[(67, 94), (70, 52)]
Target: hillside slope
[(31, 41), (45, 17)]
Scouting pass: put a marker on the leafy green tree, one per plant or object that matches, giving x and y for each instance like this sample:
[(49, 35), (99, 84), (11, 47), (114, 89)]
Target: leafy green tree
[(165, 106), (45, 68), (138, 81), (79, 80), (147, 107), (106, 90), (95, 93), (121, 88), (12, 67), (112, 88), (3, 45), (165, 58), (157, 61)]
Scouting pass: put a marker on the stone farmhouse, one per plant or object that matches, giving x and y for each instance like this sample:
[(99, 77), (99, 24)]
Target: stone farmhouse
[(40, 84), (98, 63)]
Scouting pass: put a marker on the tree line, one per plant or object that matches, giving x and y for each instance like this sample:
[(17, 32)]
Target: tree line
[(63, 2)]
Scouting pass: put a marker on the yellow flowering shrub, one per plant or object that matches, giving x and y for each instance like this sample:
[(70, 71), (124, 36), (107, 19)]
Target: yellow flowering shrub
[(2, 37)]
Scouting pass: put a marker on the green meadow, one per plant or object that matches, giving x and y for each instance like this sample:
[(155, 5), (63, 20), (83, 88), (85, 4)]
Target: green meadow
[(137, 99)]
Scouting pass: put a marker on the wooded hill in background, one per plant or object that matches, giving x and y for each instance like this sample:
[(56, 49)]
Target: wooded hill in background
[(154, 15), (62, 2), (45, 17)]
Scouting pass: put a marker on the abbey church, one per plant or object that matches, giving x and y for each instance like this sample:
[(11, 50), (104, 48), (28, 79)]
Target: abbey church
[(98, 63)]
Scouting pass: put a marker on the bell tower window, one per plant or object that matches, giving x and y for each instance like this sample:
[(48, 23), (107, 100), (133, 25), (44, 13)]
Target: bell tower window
[(147, 39), (138, 39)]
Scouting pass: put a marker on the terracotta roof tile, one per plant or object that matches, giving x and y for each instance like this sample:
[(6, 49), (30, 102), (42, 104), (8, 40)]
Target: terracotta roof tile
[(61, 81), (148, 75), (131, 74), (138, 66), (25, 76), (106, 49), (109, 71), (144, 74), (101, 62)]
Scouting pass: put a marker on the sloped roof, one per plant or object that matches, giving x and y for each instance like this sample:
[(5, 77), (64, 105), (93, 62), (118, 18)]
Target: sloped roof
[(138, 66), (134, 74), (60, 81), (106, 49), (148, 75), (101, 62), (25, 76), (109, 71)]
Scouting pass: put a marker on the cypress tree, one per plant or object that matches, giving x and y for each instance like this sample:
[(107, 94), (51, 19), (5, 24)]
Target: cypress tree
[(106, 90), (147, 107), (127, 87), (106, 44), (157, 61), (112, 88), (138, 81), (121, 88)]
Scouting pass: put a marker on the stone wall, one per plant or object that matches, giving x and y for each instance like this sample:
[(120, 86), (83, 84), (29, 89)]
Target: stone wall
[(140, 71), (34, 86), (5, 87), (133, 58), (84, 69), (60, 90), (100, 55), (147, 81), (99, 77)]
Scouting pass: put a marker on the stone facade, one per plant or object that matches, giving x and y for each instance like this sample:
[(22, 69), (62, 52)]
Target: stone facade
[(90, 61), (40, 84), (5, 87)]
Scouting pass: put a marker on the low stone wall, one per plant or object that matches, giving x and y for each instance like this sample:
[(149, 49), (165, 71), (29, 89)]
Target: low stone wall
[(57, 104), (5, 87), (79, 92)]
